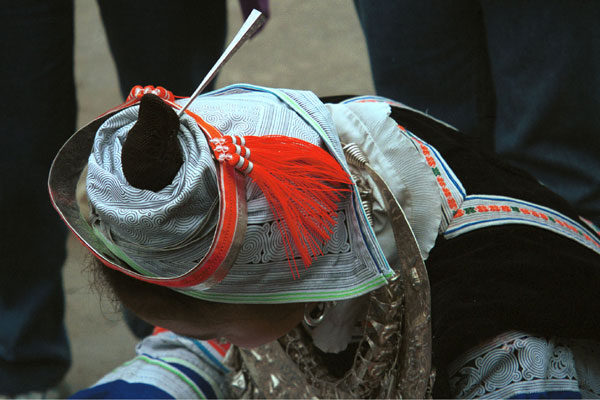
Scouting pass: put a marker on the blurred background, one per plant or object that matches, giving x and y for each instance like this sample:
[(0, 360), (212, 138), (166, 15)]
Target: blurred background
[(310, 44)]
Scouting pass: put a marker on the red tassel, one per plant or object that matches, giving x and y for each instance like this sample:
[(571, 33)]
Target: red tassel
[(301, 182)]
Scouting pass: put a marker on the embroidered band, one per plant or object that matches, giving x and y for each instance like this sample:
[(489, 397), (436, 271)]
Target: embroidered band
[(452, 191), (479, 211), (464, 213)]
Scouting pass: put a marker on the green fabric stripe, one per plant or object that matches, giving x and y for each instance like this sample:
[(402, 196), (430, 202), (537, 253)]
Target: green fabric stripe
[(174, 371), (116, 250), (291, 297), (200, 372)]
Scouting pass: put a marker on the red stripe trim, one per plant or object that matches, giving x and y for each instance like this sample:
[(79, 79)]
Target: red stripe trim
[(220, 348)]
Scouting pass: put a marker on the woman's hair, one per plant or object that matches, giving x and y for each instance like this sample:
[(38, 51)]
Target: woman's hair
[(156, 302), (144, 299)]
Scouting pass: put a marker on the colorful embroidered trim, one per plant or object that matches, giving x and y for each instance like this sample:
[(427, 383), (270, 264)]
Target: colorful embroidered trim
[(214, 351), (464, 213), (479, 211), (451, 188), (453, 193), (590, 224)]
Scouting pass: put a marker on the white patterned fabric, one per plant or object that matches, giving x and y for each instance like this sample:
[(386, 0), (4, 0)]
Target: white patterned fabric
[(166, 366), (394, 156), (166, 233), (175, 224), (517, 364)]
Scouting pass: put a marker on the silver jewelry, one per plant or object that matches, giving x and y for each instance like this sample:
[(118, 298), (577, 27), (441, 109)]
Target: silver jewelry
[(314, 315), (393, 359)]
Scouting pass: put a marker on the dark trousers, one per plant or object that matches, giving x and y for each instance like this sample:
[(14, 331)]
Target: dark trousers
[(172, 44), (521, 76)]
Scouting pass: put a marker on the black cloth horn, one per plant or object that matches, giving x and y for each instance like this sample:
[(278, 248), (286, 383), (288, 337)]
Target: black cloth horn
[(151, 154)]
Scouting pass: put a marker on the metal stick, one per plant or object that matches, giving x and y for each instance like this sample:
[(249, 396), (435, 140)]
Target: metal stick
[(252, 23)]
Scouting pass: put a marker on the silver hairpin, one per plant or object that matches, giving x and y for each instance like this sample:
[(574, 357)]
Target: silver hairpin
[(254, 21)]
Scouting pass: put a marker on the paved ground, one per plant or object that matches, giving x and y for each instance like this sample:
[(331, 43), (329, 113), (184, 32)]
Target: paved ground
[(309, 44)]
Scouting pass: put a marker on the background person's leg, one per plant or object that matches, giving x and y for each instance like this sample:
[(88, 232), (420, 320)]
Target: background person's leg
[(164, 43), (38, 115), (545, 58), (431, 55), (171, 44)]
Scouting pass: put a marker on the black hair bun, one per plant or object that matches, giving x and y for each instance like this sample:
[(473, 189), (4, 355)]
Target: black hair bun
[(151, 154)]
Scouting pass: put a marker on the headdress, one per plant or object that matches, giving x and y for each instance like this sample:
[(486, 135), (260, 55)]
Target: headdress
[(213, 232)]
